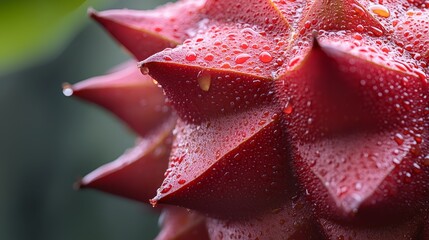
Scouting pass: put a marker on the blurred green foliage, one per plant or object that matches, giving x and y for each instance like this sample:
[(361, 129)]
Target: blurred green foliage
[(47, 140), (31, 30)]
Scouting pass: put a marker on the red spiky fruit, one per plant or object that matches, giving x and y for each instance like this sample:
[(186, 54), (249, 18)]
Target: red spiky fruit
[(296, 119)]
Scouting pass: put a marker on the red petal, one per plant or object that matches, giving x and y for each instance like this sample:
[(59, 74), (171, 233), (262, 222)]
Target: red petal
[(139, 171), (181, 224), (217, 164), (358, 143), (127, 94), (144, 33), (291, 221)]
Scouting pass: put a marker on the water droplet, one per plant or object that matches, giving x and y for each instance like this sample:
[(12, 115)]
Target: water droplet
[(399, 139), (360, 28), (144, 70), (191, 56), (265, 57), (166, 189), (182, 181), (67, 89), (288, 109), (204, 80), (241, 58), (294, 61), (380, 10), (209, 57), (376, 31), (244, 45)]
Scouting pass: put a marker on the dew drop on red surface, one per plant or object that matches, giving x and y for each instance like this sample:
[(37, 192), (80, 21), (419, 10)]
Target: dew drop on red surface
[(182, 181), (265, 57), (209, 57), (204, 81), (380, 10), (244, 45), (166, 189), (242, 58), (288, 108), (144, 70), (191, 56), (399, 139), (294, 61)]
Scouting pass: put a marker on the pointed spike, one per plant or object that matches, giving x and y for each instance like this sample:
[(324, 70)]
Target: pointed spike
[(144, 33), (248, 72), (138, 172), (345, 146), (199, 105), (126, 93), (209, 167)]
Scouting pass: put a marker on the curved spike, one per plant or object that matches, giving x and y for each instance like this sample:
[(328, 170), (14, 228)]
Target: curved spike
[(128, 94), (350, 146), (202, 82), (144, 33), (139, 171), (216, 164)]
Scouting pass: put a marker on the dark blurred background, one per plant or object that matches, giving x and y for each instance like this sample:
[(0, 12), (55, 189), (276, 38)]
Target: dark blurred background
[(47, 140)]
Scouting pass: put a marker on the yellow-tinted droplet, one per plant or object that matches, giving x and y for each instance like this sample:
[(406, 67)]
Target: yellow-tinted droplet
[(380, 10), (144, 70), (204, 80)]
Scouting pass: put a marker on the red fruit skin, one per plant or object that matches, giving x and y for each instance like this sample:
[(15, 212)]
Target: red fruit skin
[(139, 103), (210, 162), (129, 95), (228, 92), (354, 169), (181, 224), (292, 221), (412, 32), (144, 33), (347, 118), (408, 229), (138, 172)]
